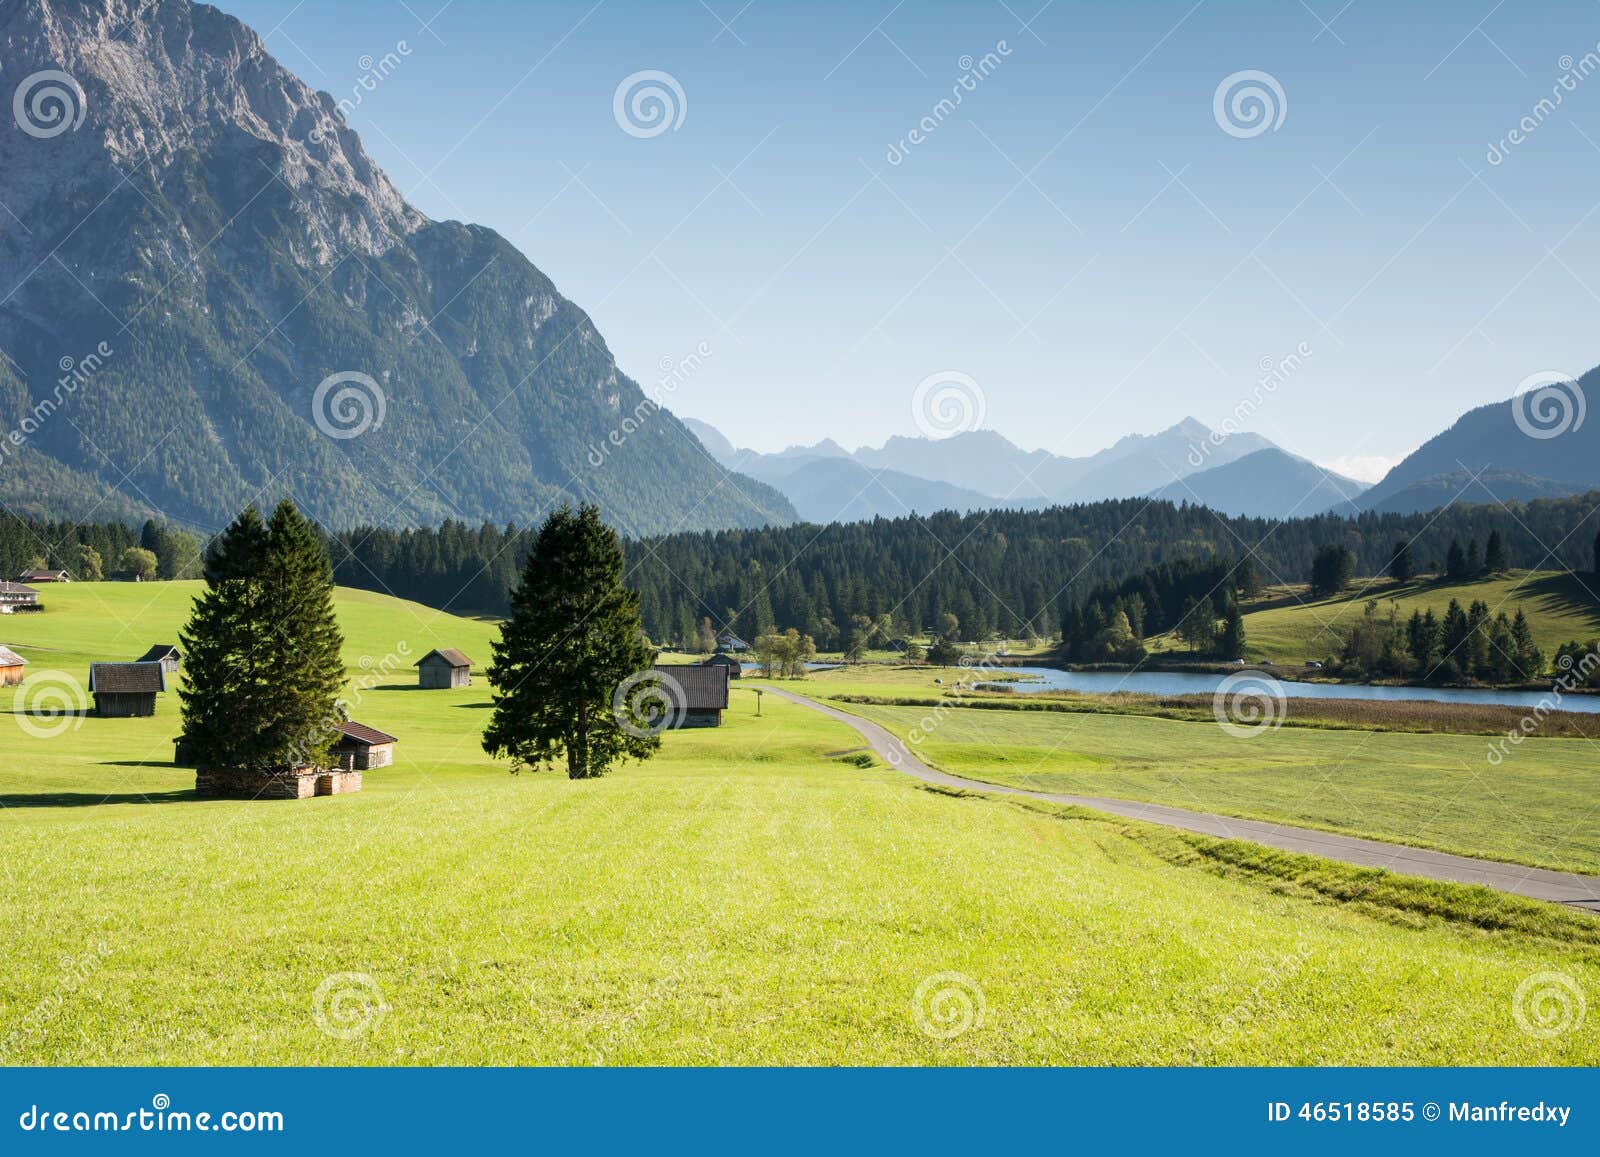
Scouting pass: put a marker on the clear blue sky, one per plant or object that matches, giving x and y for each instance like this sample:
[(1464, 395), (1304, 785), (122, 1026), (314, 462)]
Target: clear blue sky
[(1079, 236)]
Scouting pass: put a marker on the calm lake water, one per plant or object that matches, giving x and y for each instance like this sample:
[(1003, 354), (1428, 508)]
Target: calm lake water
[(1195, 683)]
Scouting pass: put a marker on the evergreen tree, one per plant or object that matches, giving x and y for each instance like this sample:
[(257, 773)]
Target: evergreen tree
[(1230, 643), (1474, 565), (1331, 569), (1494, 553), (566, 654), (1597, 552), (1455, 562), (262, 670), (1401, 568)]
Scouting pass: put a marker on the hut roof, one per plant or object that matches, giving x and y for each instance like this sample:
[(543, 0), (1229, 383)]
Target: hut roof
[(360, 735), (704, 688), (10, 588), (126, 678), (450, 655), (9, 658), (42, 575), (159, 652)]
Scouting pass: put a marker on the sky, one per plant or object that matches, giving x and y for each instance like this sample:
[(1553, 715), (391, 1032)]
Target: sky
[(1093, 241)]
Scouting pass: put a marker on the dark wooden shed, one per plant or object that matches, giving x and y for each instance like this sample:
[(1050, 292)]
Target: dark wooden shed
[(362, 748), (698, 692), (121, 690), (166, 654), (444, 667), (734, 666)]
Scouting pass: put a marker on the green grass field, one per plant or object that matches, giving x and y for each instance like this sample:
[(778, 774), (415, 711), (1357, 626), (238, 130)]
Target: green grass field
[(746, 897), (1559, 606)]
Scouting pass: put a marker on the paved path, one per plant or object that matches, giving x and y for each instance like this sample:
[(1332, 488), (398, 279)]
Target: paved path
[(1567, 888)]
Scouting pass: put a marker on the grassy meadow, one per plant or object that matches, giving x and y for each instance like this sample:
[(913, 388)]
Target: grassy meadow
[(1292, 627), (749, 896)]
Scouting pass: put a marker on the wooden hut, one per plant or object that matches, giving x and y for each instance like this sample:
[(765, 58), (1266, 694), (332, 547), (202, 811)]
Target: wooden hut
[(122, 690), (166, 654), (11, 665), (734, 666), (16, 597), (362, 748), (444, 667), (44, 576), (699, 694)]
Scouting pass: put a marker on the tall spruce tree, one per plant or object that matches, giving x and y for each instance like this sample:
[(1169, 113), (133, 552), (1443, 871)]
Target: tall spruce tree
[(573, 638), (1494, 553), (262, 671)]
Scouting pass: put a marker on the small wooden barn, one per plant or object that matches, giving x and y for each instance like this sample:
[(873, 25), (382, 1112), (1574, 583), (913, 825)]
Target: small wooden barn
[(362, 748), (122, 690), (734, 666), (11, 665), (16, 597), (444, 667), (166, 654), (699, 692), (44, 576)]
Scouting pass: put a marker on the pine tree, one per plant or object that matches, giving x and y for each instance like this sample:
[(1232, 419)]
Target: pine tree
[(1401, 568), (1474, 559), (573, 638), (262, 670), (1230, 643), (1455, 562), (1494, 553)]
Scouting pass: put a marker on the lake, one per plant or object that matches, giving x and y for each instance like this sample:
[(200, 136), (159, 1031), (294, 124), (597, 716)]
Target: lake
[(1197, 683)]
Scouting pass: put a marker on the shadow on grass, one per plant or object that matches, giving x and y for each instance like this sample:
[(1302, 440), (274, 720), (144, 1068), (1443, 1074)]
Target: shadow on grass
[(93, 798)]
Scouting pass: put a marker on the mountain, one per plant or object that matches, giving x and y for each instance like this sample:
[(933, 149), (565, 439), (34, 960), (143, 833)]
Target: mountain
[(1535, 444), (979, 460), (212, 295), (833, 489), (1267, 484)]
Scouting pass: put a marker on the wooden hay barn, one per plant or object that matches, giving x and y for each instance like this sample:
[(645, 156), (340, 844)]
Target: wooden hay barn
[(166, 654), (44, 576), (444, 667), (700, 692), (11, 665), (16, 597), (362, 748), (734, 666), (122, 690)]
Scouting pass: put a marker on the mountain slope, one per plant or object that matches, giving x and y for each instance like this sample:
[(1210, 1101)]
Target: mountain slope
[(1267, 484), (218, 228), (1554, 449), (831, 489)]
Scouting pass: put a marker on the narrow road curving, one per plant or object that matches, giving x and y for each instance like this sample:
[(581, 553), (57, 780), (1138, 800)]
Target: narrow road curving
[(1569, 889)]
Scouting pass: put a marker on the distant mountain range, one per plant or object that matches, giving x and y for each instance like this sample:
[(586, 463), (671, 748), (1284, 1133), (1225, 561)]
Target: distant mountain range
[(212, 295), (1242, 474)]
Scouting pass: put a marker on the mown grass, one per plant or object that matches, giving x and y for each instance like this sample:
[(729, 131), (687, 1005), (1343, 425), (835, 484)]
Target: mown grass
[(746, 897), (1559, 606)]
